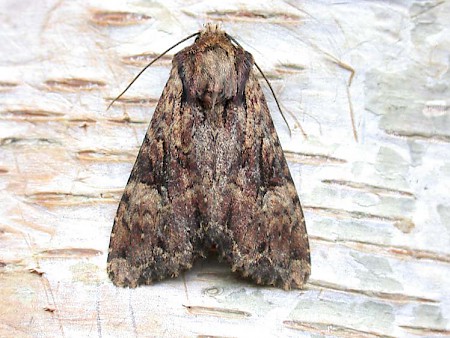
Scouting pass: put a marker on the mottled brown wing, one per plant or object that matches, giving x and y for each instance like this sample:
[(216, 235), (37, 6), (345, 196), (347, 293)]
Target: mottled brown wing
[(267, 223), (153, 233)]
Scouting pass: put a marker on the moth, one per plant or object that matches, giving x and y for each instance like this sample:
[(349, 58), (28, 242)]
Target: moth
[(210, 174)]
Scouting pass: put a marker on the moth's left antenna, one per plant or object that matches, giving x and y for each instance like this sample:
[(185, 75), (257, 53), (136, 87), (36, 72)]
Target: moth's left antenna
[(152, 62)]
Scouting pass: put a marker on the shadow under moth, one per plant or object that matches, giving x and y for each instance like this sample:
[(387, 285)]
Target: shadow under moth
[(210, 175)]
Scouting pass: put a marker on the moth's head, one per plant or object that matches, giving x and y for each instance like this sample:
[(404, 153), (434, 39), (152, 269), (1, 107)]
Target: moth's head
[(210, 36), (211, 28)]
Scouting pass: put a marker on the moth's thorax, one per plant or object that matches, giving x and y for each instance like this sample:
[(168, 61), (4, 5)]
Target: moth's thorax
[(216, 77), (213, 70)]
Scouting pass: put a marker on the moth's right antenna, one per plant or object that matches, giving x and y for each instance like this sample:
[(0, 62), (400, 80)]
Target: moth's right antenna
[(152, 62), (268, 83)]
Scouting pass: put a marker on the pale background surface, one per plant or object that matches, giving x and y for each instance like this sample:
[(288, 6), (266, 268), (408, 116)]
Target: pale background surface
[(375, 192)]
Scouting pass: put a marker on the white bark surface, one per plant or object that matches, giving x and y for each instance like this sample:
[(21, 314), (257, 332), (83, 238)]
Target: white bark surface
[(367, 80)]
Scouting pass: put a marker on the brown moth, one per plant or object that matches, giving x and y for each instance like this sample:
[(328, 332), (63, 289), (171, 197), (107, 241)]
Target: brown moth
[(210, 174)]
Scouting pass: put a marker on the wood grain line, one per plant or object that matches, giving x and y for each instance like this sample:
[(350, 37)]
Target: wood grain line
[(354, 214), (313, 159), (435, 137), (401, 251), (392, 297), (217, 312), (330, 329), (424, 331), (73, 84), (143, 59), (76, 253), (5, 86), (134, 101), (111, 18), (369, 187), (253, 16), (55, 199)]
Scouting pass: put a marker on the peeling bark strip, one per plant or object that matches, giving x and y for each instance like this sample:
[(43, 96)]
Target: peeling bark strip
[(210, 174)]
